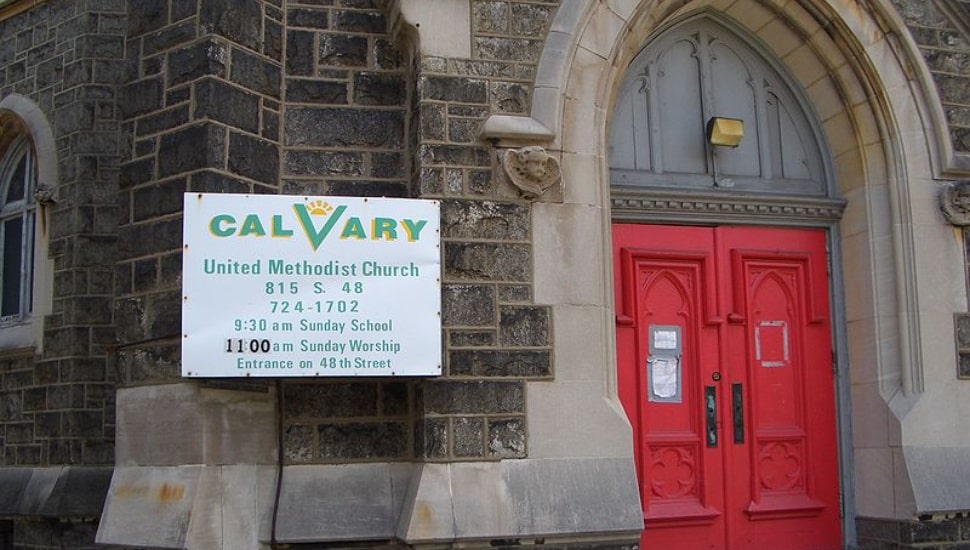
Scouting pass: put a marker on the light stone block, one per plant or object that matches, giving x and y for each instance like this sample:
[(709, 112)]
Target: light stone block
[(602, 31), (444, 26), (569, 260), (804, 63), (589, 498), (149, 506), (863, 351), (780, 38), (751, 14), (940, 477), (581, 132), (582, 176), (870, 417), (333, 503), (856, 265), (849, 172), (576, 419), (199, 426), (586, 75), (874, 482), (582, 336)]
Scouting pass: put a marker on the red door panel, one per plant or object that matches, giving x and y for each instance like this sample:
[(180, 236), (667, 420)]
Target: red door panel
[(724, 358)]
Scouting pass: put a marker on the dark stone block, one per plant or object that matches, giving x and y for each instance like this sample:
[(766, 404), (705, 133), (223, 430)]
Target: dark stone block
[(145, 275), (167, 119), (215, 182), (343, 51), (530, 19), (963, 368), (524, 326), (455, 155), (510, 97), (511, 294), (360, 22), (368, 189), (237, 20), (330, 400), (464, 130), (433, 121), (90, 310), (431, 437), (479, 397), (178, 95), (273, 40), (431, 181), (298, 443), (469, 437), (471, 338), (493, 363), (184, 9), (395, 399), (387, 55), (468, 305), (254, 158), (480, 182), (141, 97), (83, 423), (300, 90), (962, 322), (169, 37), (149, 365), (506, 438), (329, 127), (370, 440), (100, 46), (159, 199), (379, 89), (508, 49), (74, 117), (308, 17), (445, 88), (150, 238), (205, 58), (387, 165), (485, 220), (271, 125), (136, 172), (299, 53), (323, 163), (192, 148), (255, 73), (47, 424), (491, 17), (146, 16), (487, 262), (224, 103), (929, 531)]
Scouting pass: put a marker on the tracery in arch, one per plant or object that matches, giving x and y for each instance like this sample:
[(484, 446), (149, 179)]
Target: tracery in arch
[(695, 71)]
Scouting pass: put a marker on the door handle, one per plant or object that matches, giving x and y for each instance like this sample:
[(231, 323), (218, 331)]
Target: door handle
[(737, 406), (710, 412)]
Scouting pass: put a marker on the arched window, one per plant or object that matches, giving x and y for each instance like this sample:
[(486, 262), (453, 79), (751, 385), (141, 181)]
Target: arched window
[(18, 215), (686, 76)]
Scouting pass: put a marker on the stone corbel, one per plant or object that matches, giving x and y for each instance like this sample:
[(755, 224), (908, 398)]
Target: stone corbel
[(955, 202), (532, 170)]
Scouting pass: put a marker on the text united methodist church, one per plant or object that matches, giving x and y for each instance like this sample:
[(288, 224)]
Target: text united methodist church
[(674, 274)]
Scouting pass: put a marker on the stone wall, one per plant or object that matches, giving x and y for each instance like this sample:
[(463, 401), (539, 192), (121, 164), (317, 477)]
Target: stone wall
[(940, 31), (58, 408)]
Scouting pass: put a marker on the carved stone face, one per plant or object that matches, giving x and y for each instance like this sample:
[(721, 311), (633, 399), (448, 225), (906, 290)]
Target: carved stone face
[(532, 170), (955, 203), (534, 164)]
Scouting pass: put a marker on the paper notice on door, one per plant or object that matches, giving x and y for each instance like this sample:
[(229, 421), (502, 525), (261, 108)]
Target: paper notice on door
[(665, 339), (665, 379)]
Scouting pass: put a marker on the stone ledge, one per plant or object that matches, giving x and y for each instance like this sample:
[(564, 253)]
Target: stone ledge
[(61, 492), (227, 507)]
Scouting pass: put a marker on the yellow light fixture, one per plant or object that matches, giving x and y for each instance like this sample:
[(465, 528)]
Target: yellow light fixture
[(725, 132)]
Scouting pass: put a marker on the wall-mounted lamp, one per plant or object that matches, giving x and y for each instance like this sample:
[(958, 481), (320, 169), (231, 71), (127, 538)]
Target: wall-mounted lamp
[(725, 132)]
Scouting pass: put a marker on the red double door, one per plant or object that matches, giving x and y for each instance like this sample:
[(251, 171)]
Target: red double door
[(725, 372)]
